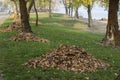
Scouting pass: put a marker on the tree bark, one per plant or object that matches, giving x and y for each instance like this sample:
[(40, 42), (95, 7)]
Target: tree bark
[(36, 13), (50, 8), (16, 13), (30, 6), (66, 7), (24, 16), (66, 10), (69, 8), (71, 11), (112, 32), (76, 13), (89, 16)]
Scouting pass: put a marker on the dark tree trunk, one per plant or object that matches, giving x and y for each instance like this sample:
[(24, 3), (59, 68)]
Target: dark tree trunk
[(50, 8), (66, 10), (76, 13), (24, 16), (89, 16), (66, 7), (36, 13), (30, 6), (16, 13), (112, 33), (69, 8), (71, 11)]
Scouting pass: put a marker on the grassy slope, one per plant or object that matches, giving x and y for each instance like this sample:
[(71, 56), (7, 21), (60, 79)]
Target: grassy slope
[(58, 31)]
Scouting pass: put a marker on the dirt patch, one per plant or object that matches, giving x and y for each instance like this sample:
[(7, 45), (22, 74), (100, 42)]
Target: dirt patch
[(65, 57), (27, 37), (81, 26), (1, 21), (97, 26)]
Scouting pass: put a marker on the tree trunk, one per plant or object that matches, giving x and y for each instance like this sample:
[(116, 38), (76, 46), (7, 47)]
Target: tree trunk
[(36, 13), (50, 8), (30, 6), (112, 33), (89, 16), (16, 13), (24, 16), (69, 8), (66, 10), (65, 5), (76, 13), (71, 11)]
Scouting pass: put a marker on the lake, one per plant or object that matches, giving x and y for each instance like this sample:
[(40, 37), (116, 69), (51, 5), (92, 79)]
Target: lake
[(97, 12)]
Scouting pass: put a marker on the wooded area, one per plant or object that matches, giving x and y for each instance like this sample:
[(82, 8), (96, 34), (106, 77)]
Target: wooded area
[(33, 32)]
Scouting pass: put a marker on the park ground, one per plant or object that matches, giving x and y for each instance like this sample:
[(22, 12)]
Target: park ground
[(59, 30)]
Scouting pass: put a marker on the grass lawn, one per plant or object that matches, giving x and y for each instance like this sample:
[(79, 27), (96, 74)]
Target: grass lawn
[(59, 31)]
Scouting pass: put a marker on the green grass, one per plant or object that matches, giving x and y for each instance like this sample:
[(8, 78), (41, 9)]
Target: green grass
[(59, 31)]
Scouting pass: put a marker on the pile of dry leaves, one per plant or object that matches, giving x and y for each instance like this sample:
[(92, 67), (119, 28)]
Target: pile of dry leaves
[(27, 37), (15, 26), (68, 58)]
